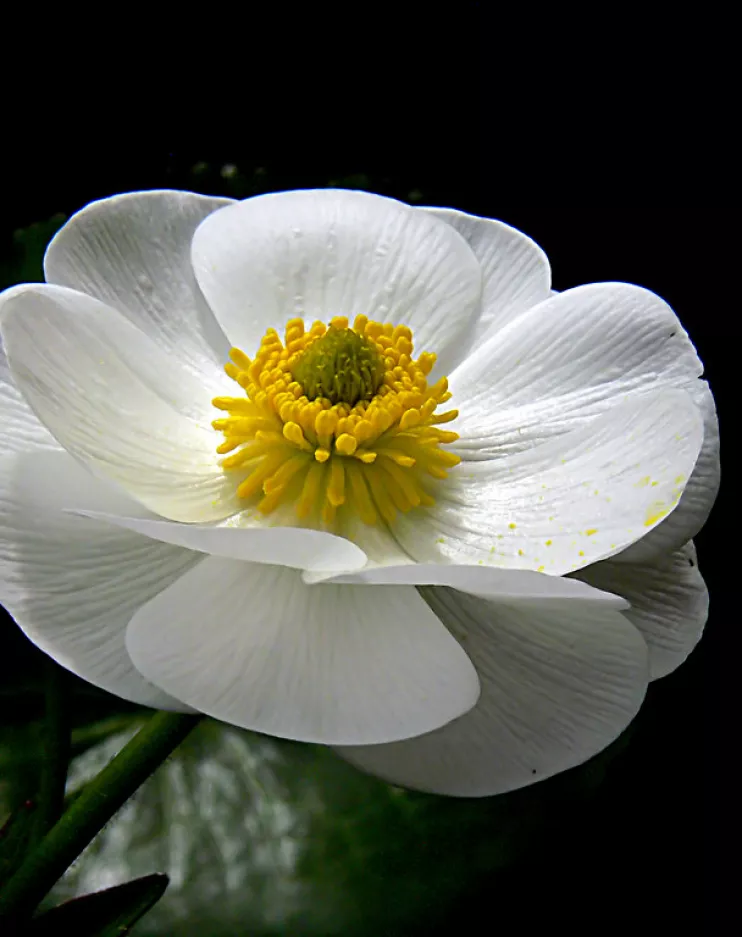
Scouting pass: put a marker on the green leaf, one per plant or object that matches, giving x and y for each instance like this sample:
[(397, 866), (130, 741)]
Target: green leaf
[(265, 837), (108, 913)]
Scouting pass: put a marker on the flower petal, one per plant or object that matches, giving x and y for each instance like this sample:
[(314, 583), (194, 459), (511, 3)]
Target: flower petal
[(484, 581), (295, 547), (566, 360), (669, 603), (379, 547), (133, 252), (515, 272), (571, 501), (20, 430), (112, 398), (72, 584), (253, 646), (561, 679), (698, 496), (327, 252)]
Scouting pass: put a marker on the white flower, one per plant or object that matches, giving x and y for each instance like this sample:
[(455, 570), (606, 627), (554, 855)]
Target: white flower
[(476, 636)]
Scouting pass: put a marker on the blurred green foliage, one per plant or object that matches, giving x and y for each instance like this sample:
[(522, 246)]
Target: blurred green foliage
[(262, 836), (22, 262)]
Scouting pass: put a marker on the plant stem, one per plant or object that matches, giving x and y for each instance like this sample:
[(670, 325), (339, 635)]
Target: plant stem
[(86, 736), (89, 812), (56, 751)]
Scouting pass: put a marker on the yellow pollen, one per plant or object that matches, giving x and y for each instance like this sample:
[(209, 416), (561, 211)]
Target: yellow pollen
[(337, 420)]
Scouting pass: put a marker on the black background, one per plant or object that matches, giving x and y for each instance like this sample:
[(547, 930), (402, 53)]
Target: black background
[(646, 857)]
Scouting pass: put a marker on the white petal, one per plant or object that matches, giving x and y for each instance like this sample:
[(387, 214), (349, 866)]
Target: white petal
[(133, 252), (73, 584), (669, 603), (322, 253), (253, 646), (571, 501), (568, 359), (515, 272), (484, 581), (295, 547), (112, 398), (561, 679), (379, 548), (697, 499), (20, 430)]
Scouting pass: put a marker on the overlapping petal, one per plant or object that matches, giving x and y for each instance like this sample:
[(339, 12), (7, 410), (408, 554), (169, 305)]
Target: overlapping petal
[(508, 585), (115, 400), (254, 646), (20, 429), (73, 584), (698, 495), (321, 253), (576, 499), (515, 273), (669, 602), (560, 679), (133, 253), (297, 547), (564, 362), (568, 359)]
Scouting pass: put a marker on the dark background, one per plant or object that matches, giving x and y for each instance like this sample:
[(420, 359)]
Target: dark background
[(644, 854)]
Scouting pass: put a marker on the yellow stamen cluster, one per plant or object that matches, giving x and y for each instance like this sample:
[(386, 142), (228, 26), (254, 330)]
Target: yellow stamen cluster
[(370, 455)]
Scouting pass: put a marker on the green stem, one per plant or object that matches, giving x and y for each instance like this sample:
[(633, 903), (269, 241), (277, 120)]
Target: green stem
[(86, 736), (56, 751), (89, 813)]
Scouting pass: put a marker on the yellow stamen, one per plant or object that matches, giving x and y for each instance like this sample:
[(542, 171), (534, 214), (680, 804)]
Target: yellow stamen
[(280, 479), (361, 497), (310, 491), (254, 482), (336, 485), (380, 494), (337, 419)]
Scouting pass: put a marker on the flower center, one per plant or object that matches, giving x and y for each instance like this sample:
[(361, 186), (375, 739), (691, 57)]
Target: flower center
[(341, 365), (336, 420)]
